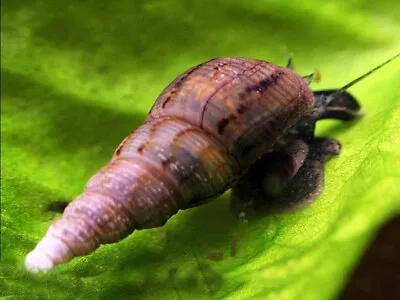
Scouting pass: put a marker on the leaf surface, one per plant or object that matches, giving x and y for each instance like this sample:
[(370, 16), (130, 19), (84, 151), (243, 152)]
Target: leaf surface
[(78, 76)]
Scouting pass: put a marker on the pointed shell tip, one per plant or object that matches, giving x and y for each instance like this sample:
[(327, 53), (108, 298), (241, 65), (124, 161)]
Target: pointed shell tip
[(37, 261)]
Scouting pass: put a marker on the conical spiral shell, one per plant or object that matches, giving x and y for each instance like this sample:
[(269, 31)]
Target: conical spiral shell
[(205, 129)]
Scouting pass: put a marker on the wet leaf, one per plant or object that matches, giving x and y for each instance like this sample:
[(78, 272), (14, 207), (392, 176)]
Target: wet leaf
[(79, 76)]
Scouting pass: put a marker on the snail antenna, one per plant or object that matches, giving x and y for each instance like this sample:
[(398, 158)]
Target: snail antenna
[(353, 82)]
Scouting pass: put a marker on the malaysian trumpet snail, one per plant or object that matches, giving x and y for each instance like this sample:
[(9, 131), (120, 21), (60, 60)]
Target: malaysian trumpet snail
[(205, 133)]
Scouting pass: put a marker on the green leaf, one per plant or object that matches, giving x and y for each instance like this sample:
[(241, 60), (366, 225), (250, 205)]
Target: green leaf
[(78, 76)]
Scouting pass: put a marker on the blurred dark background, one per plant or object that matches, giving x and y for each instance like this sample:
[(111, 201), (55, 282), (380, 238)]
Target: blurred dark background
[(378, 274)]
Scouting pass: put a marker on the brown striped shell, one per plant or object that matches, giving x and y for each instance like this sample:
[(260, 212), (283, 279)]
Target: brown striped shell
[(204, 130), (244, 104)]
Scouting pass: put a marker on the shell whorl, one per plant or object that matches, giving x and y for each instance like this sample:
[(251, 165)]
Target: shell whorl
[(247, 104)]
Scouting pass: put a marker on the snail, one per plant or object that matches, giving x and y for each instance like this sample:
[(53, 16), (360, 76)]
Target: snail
[(207, 132)]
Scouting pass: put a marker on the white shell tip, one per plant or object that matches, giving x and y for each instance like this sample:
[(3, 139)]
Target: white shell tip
[(37, 261)]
